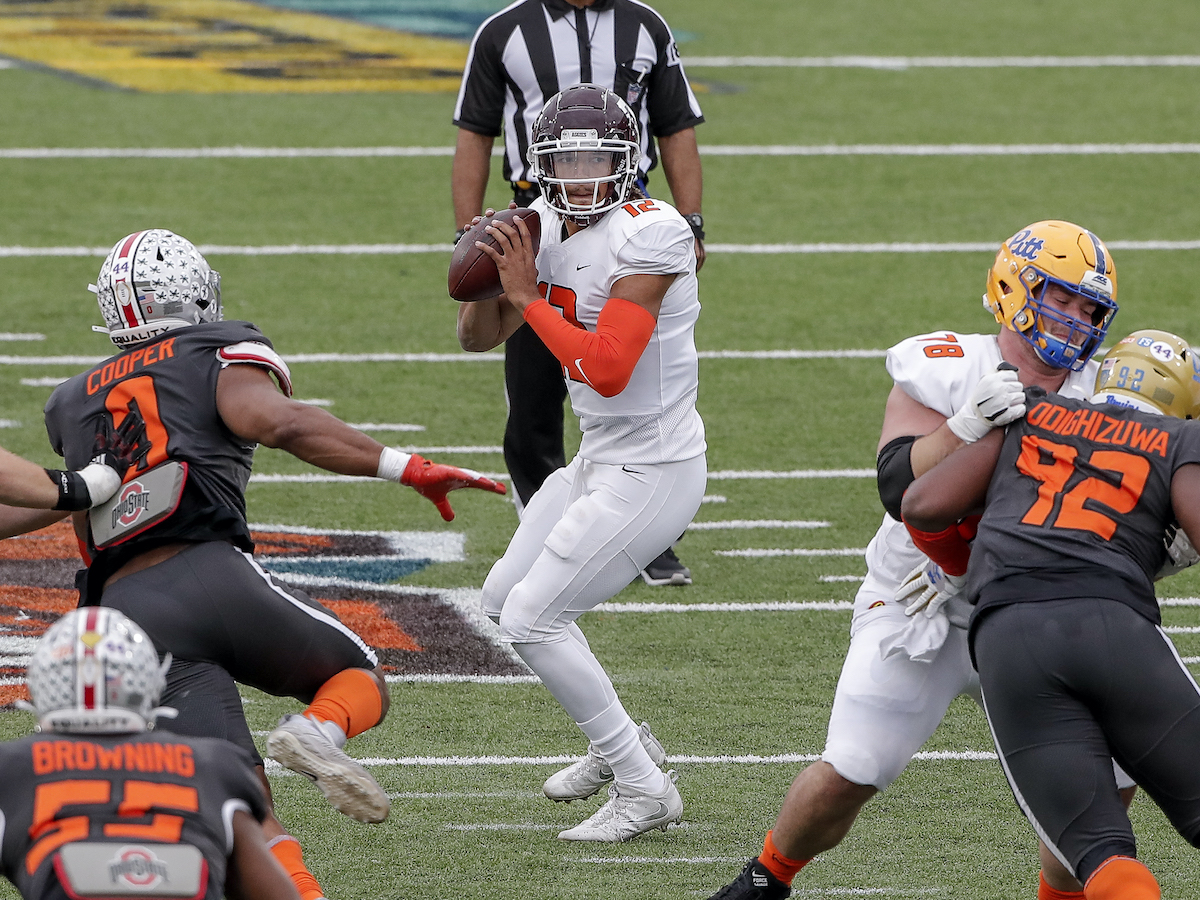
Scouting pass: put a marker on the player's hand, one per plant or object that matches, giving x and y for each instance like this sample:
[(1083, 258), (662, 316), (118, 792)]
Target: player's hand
[(123, 447), (434, 481), (998, 399), (515, 259), (927, 589), (1180, 552)]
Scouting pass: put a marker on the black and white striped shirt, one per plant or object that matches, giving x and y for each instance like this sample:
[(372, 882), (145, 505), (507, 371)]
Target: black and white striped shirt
[(532, 49)]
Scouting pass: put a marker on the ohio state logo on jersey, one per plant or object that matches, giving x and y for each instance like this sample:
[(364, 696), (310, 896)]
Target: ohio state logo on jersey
[(133, 500), (137, 867)]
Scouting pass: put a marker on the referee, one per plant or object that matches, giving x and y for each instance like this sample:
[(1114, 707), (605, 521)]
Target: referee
[(519, 58)]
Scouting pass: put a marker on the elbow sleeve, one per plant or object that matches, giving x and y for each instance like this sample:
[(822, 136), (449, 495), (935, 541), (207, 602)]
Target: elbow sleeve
[(893, 472)]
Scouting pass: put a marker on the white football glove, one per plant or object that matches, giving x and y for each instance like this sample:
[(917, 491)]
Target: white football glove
[(927, 589), (998, 399), (1180, 552)]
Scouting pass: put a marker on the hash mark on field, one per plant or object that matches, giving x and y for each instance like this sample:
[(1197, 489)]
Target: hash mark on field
[(379, 426), (21, 336), (832, 578), (712, 498)]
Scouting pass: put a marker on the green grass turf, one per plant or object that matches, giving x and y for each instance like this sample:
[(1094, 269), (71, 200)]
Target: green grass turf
[(710, 683)]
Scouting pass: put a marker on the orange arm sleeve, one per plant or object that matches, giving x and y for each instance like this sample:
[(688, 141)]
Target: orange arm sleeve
[(603, 359), (949, 548)]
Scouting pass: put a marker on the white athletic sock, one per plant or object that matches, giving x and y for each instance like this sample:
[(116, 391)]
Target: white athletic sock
[(615, 738)]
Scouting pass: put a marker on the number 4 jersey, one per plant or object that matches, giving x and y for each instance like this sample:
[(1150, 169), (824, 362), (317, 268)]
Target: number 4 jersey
[(172, 381), (121, 815), (1078, 503)]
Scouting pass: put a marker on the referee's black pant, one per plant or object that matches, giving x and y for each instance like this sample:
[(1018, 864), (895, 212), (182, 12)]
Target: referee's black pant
[(536, 390), (1069, 686)]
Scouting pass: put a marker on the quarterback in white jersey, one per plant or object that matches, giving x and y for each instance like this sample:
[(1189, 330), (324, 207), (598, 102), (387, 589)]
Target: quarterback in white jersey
[(612, 293), (1052, 288)]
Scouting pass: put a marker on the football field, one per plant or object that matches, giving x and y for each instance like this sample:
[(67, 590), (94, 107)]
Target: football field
[(862, 161)]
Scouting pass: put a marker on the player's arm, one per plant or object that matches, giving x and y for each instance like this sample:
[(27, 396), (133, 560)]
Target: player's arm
[(681, 165), (487, 323), (254, 873), (1185, 498), (252, 407), (16, 520), (469, 174)]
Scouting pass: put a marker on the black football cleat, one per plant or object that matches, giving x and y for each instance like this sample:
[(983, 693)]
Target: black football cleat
[(666, 569), (755, 882)]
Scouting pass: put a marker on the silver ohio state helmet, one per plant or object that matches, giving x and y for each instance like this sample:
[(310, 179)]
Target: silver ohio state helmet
[(152, 282), (96, 672)]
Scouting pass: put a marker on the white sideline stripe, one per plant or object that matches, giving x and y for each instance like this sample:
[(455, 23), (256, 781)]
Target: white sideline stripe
[(764, 606), (733, 524), (1179, 601), (398, 249), (746, 759), (832, 578), (759, 553), (753, 474), (379, 426), (1056, 149), (504, 826), (1182, 629), (938, 62), (21, 336)]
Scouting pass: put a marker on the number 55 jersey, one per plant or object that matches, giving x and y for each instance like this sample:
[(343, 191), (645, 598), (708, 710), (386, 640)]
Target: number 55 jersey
[(1077, 504), (121, 815)]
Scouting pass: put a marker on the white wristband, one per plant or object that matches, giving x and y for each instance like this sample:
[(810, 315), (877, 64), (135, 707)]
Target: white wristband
[(392, 463), (102, 482)]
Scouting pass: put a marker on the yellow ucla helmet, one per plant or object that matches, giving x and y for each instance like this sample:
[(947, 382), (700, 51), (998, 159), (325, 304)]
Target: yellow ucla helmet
[(1154, 371), (1045, 253)]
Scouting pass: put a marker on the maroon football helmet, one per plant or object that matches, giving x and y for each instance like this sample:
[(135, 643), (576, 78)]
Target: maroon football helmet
[(584, 152)]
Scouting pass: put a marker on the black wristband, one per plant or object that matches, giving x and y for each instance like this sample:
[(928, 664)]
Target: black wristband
[(458, 234), (696, 223), (73, 491)]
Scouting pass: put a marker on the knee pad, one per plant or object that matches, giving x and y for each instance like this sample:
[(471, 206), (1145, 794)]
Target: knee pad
[(518, 617)]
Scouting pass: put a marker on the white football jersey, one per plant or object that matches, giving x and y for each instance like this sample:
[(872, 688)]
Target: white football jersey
[(939, 370), (654, 419)]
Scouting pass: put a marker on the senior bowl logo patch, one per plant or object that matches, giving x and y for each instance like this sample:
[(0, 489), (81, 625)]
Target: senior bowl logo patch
[(416, 632)]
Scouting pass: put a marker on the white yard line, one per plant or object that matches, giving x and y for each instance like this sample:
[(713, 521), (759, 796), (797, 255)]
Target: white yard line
[(725, 759), (1142, 148), (740, 524), (939, 62)]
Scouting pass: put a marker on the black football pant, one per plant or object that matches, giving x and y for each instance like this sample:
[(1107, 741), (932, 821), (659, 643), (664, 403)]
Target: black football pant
[(1069, 686)]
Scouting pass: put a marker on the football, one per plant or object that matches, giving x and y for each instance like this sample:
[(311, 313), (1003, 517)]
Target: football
[(473, 274)]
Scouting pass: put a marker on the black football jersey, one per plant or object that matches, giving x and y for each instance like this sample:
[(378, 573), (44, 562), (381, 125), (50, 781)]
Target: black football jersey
[(148, 790), (172, 382), (1078, 504)]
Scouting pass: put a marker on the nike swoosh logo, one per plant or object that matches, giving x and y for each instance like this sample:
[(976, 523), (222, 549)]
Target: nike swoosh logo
[(632, 471), (586, 266), (579, 368)]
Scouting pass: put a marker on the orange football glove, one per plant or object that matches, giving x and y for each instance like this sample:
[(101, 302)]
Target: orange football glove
[(434, 481)]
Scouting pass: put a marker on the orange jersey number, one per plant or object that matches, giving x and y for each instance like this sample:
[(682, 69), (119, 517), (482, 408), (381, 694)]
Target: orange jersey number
[(140, 392), (1051, 464), (49, 833)]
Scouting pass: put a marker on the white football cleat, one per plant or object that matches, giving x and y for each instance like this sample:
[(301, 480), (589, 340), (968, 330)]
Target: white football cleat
[(299, 744), (584, 778), (626, 816)]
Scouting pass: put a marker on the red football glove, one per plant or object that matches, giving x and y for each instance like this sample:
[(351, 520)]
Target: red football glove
[(434, 481)]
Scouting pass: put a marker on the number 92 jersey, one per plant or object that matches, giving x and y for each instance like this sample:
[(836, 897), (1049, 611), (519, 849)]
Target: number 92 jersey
[(1078, 502)]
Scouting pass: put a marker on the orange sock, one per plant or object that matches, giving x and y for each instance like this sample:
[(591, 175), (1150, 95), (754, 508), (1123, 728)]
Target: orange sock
[(777, 864), (350, 700), (1121, 878), (286, 849), (1045, 892)]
